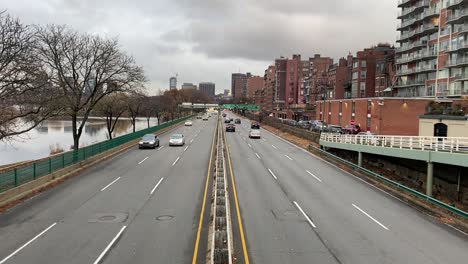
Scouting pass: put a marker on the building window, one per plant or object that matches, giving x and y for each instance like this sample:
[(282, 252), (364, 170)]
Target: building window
[(355, 64), (363, 64), (355, 75), (363, 74), (362, 89)]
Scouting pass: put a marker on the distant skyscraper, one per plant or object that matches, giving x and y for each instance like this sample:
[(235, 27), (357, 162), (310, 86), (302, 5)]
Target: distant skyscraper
[(173, 83), (188, 86), (208, 88)]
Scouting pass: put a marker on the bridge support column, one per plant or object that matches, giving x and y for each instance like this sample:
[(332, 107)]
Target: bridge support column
[(430, 178), (359, 159)]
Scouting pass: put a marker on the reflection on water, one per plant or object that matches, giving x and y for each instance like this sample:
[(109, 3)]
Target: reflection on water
[(36, 143)]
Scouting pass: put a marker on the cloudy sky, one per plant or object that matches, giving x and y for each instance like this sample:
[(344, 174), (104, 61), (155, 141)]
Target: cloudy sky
[(207, 40)]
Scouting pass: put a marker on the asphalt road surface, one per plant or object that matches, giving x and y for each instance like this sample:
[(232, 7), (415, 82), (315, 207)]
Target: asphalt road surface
[(300, 209), (140, 207)]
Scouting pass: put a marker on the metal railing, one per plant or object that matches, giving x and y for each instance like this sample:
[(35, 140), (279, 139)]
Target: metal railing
[(445, 144), (21, 175)]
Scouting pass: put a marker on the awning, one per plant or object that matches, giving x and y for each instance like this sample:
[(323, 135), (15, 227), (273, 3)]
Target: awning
[(388, 89)]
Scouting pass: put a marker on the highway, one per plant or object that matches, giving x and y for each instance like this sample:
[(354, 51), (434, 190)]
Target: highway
[(300, 209), (142, 204)]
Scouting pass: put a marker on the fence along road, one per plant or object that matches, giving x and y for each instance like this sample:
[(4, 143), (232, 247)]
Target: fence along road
[(157, 203), (291, 217)]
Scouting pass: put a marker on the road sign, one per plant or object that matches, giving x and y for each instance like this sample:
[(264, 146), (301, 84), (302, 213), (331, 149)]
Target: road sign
[(242, 106)]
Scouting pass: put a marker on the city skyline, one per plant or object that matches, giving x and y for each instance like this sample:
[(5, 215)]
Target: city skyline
[(177, 35)]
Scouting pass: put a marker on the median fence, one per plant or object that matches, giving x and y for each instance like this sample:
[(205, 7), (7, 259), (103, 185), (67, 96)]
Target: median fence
[(17, 176)]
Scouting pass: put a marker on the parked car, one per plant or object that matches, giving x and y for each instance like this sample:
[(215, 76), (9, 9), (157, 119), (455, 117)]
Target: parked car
[(319, 126), (237, 121), (254, 133), (230, 128), (188, 123), (304, 124), (148, 141), (177, 140), (334, 129), (255, 125), (351, 129)]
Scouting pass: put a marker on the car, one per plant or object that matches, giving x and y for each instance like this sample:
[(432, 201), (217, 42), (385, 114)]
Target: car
[(255, 125), (177, 140), (205, 118), (230, 128), (188, 123), (304, 124), (237, 121), (351, 129), (149, 141), (199, 117), (232, 119), (334, 129), (224, 114), (254, 133), (227, 120), (319, 126)]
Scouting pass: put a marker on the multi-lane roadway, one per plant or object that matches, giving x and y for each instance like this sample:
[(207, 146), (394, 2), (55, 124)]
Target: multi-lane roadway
[(144, 206)]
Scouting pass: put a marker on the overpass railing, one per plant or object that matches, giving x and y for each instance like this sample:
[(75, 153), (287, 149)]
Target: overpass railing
[(445, 144)]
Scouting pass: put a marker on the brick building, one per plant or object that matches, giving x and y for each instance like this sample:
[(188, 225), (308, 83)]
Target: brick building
[(318, 78), (338, 77), (254, 84), (380, 115), (268, 91), (239, 85)]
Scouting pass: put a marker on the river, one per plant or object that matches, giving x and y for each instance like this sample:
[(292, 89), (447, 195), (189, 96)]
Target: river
[(38, 142)]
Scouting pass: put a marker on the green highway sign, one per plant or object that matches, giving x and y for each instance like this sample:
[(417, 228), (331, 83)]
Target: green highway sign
[(242, 106)]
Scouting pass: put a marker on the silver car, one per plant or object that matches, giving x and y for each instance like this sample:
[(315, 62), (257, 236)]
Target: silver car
[(149, 141), (176, 140)]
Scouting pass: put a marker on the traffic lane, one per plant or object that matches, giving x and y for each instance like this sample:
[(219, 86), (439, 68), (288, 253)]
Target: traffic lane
[(28, 219), (276, 230), (350, 197), (164, 231)]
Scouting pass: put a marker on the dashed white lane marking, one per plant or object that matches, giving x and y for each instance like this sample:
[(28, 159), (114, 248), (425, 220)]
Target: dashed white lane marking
[(274, 146), (305, 215), (160, 147), (249, 145), (373, 219), (156, 186), (258, 156), (288, 157), (142, 161), (175, 161), (185, 149), (110, 184), (109, 246), (27, 243), (317, 178), (272, 174)]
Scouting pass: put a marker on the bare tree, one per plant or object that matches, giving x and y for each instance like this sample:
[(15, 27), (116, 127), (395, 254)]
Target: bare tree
[(152, 107), (134, 106), (112, 107), (85, 68), (26, 98)]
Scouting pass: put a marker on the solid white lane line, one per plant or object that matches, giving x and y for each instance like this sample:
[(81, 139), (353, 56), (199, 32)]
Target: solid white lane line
[(110, 184), (160, 147), (274, 146), (288, 157), (156, 186), (249, 145), (27, 243), (317, 178), (305, 215), (264, 139), (185, 149), (373, 219), (109, 246), (175, 161), (256, 154), (142, 161), (272, 174), (466, 234)]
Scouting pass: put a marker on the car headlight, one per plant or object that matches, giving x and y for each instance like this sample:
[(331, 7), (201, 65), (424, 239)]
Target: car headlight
[(141, 142)]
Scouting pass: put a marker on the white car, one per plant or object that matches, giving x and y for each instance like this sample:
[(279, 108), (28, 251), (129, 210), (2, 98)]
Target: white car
[(254, 133), (188, 123), (176, 140)]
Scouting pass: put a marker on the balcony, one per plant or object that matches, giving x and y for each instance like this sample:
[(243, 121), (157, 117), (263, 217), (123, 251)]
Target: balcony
[(417, 6), (457, 62), (410, 83), (455, 3), (417, 57), (419, 69), (458, 16), (402, 3), (417, 44), (430, 12)]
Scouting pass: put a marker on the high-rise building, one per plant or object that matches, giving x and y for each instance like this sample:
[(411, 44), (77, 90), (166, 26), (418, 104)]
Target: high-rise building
[(254, 83), (280, 83), (318, 78), (208, 88), (431, 59), (239, 85), (268, 93), (173, 83)]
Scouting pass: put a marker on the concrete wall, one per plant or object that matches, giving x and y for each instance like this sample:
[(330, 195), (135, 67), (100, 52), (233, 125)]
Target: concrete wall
[(456, 128)]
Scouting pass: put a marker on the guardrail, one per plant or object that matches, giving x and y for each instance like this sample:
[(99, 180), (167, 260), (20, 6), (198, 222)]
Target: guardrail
[(21, 175), (443, 144), (396, 184)]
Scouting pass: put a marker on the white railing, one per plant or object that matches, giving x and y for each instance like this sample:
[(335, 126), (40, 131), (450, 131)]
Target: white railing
[(446, 144)]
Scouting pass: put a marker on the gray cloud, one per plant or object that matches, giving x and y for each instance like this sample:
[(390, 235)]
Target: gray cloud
[(206, 40)]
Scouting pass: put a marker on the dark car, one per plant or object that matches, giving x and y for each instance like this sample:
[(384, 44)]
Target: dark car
[(351, 129), (231, 119), (224, 114), (318, 126), (334, 129), (304, 124), (227, 120), (237, 121), (230, 128), (149, 141), (255, 125)]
